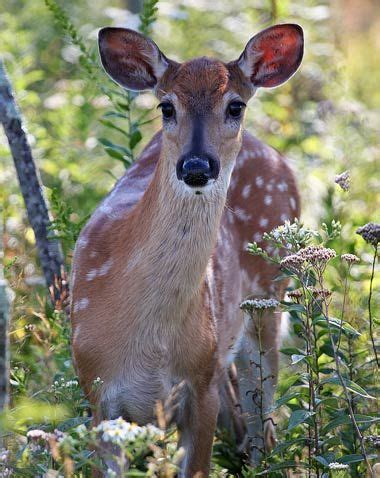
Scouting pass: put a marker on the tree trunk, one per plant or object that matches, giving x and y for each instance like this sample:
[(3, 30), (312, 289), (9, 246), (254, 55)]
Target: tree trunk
[(134, 6), (4, 340), (49, 250)]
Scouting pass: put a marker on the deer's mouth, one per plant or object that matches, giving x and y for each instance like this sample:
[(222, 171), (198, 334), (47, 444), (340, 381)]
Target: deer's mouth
[(197, 170)]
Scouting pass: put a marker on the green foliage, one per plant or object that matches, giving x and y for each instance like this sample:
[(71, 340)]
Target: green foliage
[(63, 225), (326, 119), (148, 16)]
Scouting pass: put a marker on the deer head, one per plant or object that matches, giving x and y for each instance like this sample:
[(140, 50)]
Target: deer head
[(202, 100)]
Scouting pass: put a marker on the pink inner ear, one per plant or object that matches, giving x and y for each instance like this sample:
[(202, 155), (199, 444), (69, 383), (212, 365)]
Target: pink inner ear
[(280, 51)]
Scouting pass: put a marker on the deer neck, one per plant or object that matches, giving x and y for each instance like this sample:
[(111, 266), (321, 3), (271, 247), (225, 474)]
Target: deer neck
[(177, 239)]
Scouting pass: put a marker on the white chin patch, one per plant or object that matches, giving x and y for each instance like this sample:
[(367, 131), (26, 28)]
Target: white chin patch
[(200, 190)]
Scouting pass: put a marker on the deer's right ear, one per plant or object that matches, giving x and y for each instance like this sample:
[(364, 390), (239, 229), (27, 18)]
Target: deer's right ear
[(132, 60)]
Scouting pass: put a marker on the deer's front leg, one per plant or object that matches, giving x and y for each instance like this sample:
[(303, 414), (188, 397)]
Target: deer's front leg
[(196, 426)]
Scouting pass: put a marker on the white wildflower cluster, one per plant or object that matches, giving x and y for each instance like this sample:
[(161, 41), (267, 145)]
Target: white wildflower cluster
[(373, 440), (295, 294), (36, 435), (81, 430), (98, 382), (291, 235), (293, 262), (343, 180), (120, 432), (4, 454), (37, 440), (250, 305), (370, 233), (315, 255), (338, 466), (5, 472), (350, 258), (63, 384)]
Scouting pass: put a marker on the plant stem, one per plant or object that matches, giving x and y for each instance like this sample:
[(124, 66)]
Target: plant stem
[(311, 352), (341, 380), (369, 307), (262, 379)]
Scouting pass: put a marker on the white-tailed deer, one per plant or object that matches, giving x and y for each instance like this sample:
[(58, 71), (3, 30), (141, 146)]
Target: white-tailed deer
[(161, 267)]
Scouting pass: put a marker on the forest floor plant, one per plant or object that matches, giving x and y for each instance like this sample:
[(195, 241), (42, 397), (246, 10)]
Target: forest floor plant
[(327, 406)]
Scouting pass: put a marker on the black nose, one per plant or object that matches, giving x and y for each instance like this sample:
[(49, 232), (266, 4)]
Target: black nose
[(197, 170)]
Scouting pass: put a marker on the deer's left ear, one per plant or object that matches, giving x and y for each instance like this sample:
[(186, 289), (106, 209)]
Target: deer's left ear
[(272, 56)]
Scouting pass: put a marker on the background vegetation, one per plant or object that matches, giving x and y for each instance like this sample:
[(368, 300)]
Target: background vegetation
[(326, 119)]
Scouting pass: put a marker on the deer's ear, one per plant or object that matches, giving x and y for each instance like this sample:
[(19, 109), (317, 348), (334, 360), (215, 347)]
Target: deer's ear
[(272, 56), (132, 60)]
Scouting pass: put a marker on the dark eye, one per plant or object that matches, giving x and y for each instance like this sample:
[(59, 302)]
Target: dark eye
[(167, 110), (235, 109)]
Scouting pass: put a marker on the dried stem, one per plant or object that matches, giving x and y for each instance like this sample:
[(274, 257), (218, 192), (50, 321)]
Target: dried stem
[(369, 307)]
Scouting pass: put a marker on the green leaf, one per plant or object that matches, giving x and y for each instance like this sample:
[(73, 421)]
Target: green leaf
[(346, 420), (287, 444), (337, 324), (72, 423), (114, 114), (291, 307), (350, 459), (352, 386), (284, 465), (109, 124), (298, 417), (108, 144), (124, 106), (135, 139), (346, 459), (286, 398), (321, 460), (288, 382), (113, 153), (135, 473)]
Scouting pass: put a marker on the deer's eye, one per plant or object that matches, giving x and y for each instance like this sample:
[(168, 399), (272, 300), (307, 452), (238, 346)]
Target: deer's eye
[(235, 109), (167, 109)]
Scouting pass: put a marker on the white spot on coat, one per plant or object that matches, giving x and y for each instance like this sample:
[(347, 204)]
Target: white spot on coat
[(246, 191), (257, 237), (82, 241), (242, 214), (293, 203), (263, 222), (282, 186), (267, 200), (284, 217), (259, 181), (81, 304), (102, 271)]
